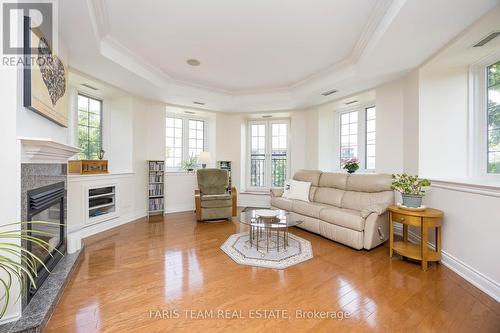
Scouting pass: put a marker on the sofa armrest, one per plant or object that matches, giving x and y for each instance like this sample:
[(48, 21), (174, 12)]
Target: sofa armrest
[(276, 191), (378, 209)]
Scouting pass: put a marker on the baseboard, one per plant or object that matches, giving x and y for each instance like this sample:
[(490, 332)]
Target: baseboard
[(473, 276)]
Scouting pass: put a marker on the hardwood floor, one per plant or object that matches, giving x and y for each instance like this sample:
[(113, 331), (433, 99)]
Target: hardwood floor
[(132, 273)]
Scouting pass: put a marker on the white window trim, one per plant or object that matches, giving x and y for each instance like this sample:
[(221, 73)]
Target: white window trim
[(361, 108), (185, 135), (478, 120), (268, 176), (103, 115)]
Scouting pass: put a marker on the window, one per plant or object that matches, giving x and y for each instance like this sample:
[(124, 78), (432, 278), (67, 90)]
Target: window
[(370, 137), (493, 97), (184, 138), (268, 153), (173, 142), (196, 137), (89, 127), (357, 127), (348, 136)]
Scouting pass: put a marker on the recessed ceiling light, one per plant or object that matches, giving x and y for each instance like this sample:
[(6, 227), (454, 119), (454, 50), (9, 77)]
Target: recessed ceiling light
[(193, 62), (329, 92), (351, 102)]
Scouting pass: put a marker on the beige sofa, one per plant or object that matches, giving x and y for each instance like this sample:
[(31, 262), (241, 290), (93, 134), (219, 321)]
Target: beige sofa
[(349, 209)]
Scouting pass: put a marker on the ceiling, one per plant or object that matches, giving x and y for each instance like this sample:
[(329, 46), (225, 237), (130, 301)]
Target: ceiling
[(257, 55)]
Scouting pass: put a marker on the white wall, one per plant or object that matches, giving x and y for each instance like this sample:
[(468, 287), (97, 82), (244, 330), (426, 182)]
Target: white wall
[(390, 110), (410, 123), (9, 168), (470, 233), (117, 124), (443, 115)]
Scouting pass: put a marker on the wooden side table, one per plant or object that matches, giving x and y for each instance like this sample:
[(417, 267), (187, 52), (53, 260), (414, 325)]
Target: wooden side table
[(429, 218)]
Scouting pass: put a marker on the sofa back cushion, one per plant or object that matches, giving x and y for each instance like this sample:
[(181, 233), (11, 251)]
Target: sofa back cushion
[(333, 179), (369, 182), (329, 196), (361, 200), (311, 176)]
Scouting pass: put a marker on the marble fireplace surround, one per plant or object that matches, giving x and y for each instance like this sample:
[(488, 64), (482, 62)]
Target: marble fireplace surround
[(43, 162)]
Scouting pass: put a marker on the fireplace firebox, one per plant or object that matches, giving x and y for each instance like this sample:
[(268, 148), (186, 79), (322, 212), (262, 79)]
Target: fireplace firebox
[(46, 204)]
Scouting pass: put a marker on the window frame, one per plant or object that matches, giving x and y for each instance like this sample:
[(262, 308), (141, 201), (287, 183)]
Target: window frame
[(101, 103), (366, 137), (478, 119), (268, 152), (361, 142), (185, 136)]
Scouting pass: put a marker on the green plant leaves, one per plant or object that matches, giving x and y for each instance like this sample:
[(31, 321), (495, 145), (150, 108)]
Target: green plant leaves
[(409, 184), (18, 263)]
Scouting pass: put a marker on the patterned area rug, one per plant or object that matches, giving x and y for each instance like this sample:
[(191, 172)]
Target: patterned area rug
[(238, 248)]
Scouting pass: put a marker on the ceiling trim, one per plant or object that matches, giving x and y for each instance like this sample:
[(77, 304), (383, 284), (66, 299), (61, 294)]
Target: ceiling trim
[(381, 17)]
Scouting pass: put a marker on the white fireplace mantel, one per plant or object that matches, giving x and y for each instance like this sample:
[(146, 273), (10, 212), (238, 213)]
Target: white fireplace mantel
[(34, 150)]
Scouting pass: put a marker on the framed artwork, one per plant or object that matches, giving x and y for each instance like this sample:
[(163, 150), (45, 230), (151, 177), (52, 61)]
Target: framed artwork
[(45, 77)]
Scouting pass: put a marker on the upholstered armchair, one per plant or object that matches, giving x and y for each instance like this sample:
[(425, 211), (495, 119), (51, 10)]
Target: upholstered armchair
[(213, 198)]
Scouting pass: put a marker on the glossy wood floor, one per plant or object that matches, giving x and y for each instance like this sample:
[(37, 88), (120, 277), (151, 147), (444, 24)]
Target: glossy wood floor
[(176, 265)]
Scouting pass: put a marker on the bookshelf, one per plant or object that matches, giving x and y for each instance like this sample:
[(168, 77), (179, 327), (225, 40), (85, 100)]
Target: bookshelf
[(226, 165), (156, 178)]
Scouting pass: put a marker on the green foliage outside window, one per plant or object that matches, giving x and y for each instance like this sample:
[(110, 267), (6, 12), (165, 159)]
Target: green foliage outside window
[(494, 118), (89, 127)]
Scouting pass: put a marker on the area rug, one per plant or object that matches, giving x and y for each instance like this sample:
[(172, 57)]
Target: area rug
[(238, 248)]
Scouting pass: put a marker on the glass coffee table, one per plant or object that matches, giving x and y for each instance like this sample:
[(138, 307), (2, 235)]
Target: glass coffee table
[(269, 232)]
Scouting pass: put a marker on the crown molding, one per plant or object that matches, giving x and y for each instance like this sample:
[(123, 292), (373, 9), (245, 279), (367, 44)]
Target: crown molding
[(381, 17)]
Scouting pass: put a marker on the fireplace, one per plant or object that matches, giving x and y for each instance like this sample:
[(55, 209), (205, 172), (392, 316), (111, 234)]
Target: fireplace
[(46, 204)]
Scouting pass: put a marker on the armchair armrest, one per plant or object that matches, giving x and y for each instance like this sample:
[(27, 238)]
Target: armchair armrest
[(276, 191), (379, 209), (197, 204), (234, 201)]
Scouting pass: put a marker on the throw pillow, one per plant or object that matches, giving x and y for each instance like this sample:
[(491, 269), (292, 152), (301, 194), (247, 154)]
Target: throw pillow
[(299, 190)]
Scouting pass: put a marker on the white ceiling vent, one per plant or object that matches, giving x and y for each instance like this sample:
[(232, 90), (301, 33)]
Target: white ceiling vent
[(329, 92), (487, 39), (89, 86)]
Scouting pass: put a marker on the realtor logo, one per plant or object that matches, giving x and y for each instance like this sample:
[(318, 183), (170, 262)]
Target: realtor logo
[(22, 18)]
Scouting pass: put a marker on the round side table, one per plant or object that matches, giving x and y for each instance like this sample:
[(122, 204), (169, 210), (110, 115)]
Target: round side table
[(425, 219)]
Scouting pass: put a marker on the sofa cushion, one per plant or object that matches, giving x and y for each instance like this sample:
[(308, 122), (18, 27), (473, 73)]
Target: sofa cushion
[(333, 179), (311, 209), (281, 203), (369, 182), (344, 217), (311, 176), (329, 196), (362, 200)]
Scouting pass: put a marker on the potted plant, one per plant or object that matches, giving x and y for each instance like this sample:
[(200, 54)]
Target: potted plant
[(189, 164), (16, 262), (351, 165), (411, 188)]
